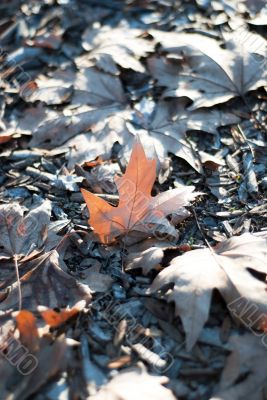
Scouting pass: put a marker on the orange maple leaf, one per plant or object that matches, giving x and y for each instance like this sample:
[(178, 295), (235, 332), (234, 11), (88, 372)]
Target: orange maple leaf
[(138, 213)]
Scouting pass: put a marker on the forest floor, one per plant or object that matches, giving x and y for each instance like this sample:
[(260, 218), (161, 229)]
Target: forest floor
[(80, 80)]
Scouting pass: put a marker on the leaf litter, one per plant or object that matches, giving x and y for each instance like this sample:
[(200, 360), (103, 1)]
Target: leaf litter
[(167, 101)]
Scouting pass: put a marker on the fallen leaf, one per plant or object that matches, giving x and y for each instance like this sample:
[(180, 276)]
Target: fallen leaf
[(161, 127), (101, 177), (48, 94), (5, 138), (94, 97), (137, 213), (135, 383), (26, 324), (96, 281), (244, 375), (204, 71), (19, 382), (32, 117), (98, 89), (122, 44), (147, 260), (56, 318), (58, 129), (20, 235), (229, 268), (90, 145), (46, 284), (27, 363)]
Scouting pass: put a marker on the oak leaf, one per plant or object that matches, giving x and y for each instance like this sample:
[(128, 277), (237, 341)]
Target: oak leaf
[(138, 214)]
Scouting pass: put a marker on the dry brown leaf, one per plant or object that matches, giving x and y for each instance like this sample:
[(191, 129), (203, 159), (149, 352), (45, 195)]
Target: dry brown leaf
[(123, 45), (49, 95), (161, 127), (58, 128), (135, 383), (55, 318), (205, 72), (46, 284), (96, 281), (98, 89), (30, 362), (26, 324), (164, 127), (147, 260), (229, 268), (88, 146), (96, 96), (4, 138), (244, 375), (153, 258), (20, 235), (138, 213)]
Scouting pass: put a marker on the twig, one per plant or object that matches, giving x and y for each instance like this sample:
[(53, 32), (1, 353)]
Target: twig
[(242, 133), (18, 280)]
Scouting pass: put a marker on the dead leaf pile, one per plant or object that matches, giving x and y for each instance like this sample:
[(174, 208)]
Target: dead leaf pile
[(148, 118)]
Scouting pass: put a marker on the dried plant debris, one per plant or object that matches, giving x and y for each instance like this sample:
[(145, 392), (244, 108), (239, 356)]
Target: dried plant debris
[(228, 268), (142, 384), (133, 199), (137, 212)]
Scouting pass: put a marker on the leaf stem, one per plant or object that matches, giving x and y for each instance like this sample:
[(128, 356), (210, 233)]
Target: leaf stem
[(18, 280)]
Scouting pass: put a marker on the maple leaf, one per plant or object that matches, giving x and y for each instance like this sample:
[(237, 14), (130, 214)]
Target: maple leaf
[(123, 45), (96, 281), (43, 282), (26, 324), (55, 318), (96, 95), (244, 375), (228, 268), (161, 126), (30, 362), (138, 213), (204, 71), (21, 235)]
